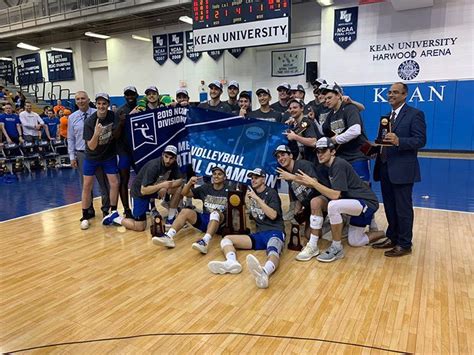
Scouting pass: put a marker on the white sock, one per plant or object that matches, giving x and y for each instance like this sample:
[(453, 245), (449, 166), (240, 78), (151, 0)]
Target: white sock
[(230, 256), (172, 212), (207, 238), (313, 241), (269, 267), (118, 220), (337, 244), (171, 232)]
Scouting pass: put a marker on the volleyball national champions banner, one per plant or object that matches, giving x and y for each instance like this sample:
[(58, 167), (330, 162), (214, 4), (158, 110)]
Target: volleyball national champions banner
[(209, 138)]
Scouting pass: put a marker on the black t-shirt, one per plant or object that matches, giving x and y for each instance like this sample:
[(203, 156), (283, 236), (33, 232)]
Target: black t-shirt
[(233, 107), (309, 132), (272, 199), (211, 198), (151, 173), (106, 146), (123, 147), (303, 193), (277, 106), (337, 123), (321, 113), (272, 115), (221, 107), (343, 178)]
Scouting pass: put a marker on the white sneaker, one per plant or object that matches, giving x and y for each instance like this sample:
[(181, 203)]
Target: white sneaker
[(225, 267), (201, 246), (331, 254), (307, 253), (164, 240), (261, 277), (85, 224)]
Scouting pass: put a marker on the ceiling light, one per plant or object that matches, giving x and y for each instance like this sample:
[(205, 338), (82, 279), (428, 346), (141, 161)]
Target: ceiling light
[(96, 35), (140, 38), (6, 58), (27, 46), (67, 50), (325, 2), (186, 19)]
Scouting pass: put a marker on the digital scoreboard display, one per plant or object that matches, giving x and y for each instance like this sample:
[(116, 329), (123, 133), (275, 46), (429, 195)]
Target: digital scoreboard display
[(212, 13), (216, 23)]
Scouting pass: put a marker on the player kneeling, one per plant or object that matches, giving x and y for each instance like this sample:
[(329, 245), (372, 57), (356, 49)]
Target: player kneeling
[(265, 207), (214, 198)]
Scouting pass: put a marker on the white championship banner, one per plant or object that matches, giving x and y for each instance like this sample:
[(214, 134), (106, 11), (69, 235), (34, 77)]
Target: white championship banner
[(250, 34)]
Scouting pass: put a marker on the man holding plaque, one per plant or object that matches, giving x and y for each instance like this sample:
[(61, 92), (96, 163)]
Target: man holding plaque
[(265, 208), (397, 169), (214, 198)]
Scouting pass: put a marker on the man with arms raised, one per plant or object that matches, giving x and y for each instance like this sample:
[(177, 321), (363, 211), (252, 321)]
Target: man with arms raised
[(265, 208)]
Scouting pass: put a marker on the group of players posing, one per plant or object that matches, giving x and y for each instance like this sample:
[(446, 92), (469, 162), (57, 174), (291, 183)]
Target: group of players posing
[(329, 184)]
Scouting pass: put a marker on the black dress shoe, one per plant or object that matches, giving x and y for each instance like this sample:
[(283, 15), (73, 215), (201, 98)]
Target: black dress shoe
[(397, 251), (386, 244)]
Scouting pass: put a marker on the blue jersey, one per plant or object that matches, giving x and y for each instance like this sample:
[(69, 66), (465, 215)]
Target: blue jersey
[(52, 126), (10, 121)]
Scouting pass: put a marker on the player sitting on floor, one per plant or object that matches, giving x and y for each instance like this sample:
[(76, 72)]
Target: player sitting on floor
[(265, 207), (214, 198), (156, 178)]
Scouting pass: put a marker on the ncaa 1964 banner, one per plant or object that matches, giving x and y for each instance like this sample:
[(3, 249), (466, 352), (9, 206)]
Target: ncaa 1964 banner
[(207, 138)]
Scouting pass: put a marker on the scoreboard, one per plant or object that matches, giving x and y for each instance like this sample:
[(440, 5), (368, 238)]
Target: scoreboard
[(221, 24), (211, 13)]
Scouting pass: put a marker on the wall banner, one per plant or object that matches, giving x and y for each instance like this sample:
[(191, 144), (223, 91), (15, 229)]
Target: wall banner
[(60, 66), (176, 46), (190, 53), (345, 26), (29, 69), (160, 48), (289, 62)]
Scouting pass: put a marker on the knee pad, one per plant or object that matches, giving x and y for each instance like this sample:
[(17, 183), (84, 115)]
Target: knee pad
[(334, 213), (274, 246), (214, 216), (226, 242), (316, 222)]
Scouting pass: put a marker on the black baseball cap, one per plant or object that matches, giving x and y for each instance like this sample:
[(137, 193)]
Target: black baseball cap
[(281, 149)]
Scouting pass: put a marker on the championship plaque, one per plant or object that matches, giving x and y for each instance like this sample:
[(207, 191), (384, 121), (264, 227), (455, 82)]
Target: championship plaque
[(295, 239), (385, 126), (236, 219), (157, 228), (300, 127)]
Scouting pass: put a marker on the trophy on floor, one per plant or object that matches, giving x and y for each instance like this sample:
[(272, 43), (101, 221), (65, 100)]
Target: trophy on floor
[(295, 240), (157, 228), (385, 127), (235, 215)]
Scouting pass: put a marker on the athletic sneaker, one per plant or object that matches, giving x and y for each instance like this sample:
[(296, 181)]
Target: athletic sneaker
[(201, 246), (261, 277), (169, 222), (224, 267), (307, 253), (109, 219), (164, 240), (331, 254), (84, 224)]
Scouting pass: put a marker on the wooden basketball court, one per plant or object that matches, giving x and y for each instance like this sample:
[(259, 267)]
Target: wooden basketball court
[(64, 290)]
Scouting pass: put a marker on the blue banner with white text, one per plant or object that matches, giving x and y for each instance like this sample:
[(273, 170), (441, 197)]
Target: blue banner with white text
[(237, 145)]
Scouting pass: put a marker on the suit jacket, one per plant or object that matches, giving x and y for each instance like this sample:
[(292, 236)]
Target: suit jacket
[(402, 161)]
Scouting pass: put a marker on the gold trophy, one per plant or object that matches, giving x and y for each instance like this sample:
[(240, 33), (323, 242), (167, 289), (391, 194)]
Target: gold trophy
[(236, 219), (385, 127), (157, 228), (295, 237)]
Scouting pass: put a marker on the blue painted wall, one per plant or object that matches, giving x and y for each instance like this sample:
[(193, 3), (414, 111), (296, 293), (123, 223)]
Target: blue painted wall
[(448, 108)]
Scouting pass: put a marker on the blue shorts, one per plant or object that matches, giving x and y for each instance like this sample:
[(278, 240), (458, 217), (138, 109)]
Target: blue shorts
[(202, 221), (109, 166), (140, 207), (124, 162), (361, 168), (364, 218), (260, 239)]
